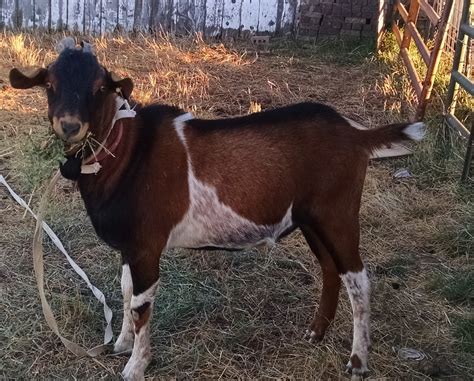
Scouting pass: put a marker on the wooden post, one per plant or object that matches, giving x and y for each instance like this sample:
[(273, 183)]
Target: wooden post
[(435, 59), (17, 16), (34, 14), (412, 17), (137, 15), (49, 16)]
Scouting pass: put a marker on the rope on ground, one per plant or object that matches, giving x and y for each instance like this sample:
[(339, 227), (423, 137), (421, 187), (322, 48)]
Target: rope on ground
[(38, 264)]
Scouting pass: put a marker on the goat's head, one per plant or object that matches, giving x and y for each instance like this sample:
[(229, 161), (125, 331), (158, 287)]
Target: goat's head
[(79, 90)]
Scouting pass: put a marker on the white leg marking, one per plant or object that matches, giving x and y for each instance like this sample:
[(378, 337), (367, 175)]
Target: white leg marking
[(141, 354), (146, 296), (124, 342), (358, 288)]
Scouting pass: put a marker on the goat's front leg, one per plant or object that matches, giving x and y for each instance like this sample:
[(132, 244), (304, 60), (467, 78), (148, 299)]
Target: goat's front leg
[(144, 272), (124, 342)]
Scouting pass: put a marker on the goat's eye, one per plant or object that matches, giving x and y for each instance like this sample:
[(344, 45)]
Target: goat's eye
[(102, 89), (48, 85)]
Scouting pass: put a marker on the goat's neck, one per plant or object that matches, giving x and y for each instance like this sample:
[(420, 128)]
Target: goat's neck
[(98, 188)]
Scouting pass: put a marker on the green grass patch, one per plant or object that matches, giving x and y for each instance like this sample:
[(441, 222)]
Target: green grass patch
[(184, 296), (464, 332), (457, 238), (339, 51), (456, 287), (399, 266)]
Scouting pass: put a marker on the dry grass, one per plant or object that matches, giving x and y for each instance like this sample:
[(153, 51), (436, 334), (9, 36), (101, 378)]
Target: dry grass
[(242, 315)]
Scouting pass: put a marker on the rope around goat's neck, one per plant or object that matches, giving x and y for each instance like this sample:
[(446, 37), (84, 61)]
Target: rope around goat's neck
[(119, 114)]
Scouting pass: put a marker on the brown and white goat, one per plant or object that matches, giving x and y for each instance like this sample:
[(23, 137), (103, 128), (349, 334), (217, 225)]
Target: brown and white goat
[(176, 181)]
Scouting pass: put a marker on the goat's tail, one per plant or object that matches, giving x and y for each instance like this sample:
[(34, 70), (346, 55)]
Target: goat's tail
[(393, 133)]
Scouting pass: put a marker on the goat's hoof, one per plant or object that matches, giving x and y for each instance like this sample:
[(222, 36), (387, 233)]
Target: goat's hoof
[(312, 336), (124, 344), (357, 368), (131, 373)]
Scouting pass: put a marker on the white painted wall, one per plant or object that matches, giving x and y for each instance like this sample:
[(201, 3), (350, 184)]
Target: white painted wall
[(214, 17)]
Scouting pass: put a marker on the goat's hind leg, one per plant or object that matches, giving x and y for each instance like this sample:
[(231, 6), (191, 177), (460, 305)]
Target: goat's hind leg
[(340, 234), (124, 343), (358, 287), (337, 236), (331, 286)]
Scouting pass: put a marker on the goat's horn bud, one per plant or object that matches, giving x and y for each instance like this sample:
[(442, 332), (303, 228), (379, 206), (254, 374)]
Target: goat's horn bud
[(87, 47), (65, 43), (115, 77)]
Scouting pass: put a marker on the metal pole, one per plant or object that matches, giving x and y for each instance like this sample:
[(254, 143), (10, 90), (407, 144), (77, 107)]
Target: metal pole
[(460, 53), (468, 160)]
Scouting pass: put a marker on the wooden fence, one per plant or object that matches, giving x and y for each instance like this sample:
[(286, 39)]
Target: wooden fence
[(213, 17), (431, 57)]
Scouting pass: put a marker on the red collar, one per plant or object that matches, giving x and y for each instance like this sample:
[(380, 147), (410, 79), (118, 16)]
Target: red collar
[(107, 150)]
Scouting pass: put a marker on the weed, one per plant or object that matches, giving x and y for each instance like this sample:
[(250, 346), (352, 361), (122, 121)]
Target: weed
[(40, 154)]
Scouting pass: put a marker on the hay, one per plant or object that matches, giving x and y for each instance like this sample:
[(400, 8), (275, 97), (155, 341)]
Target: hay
[(239, 315)]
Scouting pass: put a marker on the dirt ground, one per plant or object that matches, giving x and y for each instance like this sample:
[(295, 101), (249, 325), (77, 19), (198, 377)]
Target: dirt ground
[(243, 315)]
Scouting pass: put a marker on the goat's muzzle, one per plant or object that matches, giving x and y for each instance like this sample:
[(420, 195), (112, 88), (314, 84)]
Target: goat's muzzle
[(70, 128)]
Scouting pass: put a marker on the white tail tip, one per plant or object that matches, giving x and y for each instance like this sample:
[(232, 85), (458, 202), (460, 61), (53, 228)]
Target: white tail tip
[(415, 131)]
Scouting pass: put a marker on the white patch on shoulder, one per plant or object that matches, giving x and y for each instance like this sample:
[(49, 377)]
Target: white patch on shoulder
[(179, 123), (209, 222)]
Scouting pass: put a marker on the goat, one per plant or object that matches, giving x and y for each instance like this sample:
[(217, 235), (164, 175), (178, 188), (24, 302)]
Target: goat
[(164, 180)]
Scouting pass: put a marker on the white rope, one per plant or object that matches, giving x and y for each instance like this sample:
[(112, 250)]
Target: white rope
[(108, 335), (87, 169)]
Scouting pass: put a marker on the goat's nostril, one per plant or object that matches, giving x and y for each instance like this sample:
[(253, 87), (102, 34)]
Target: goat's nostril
[(70, 129)]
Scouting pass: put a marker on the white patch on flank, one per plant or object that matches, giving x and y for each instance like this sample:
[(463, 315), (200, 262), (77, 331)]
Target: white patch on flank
[(125, 340), (358, 288), (209, 222), (141, 354), (415, 131)]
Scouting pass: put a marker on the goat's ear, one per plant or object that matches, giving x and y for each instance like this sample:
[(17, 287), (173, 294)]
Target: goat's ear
[(27, 79), (125, 85)]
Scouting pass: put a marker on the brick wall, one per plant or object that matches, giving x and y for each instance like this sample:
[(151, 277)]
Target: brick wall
[(340, 18)]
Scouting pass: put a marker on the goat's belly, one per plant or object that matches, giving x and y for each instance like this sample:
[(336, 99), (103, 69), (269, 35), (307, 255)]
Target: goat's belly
[(210, 223), (224, 231)]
